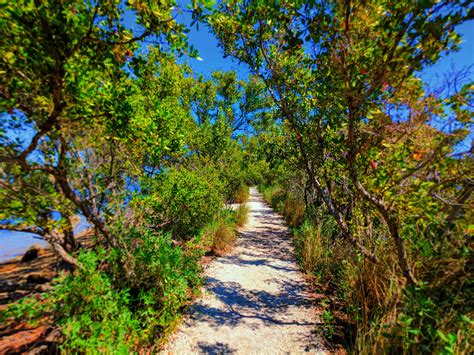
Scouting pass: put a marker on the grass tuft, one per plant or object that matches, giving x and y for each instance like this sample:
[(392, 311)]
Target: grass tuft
[(221, 234), (242, 195), (241, 215)]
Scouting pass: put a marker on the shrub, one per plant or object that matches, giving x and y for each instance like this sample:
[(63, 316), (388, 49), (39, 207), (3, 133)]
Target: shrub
[(162, 278), (120, 301), (101, 313), (94, 316), (182, 201)]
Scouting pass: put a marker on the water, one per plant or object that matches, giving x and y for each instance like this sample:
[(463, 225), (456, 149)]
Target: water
[(13, 244)]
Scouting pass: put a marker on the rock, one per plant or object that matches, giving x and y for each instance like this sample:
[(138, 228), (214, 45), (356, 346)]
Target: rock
[(11, 287), (31, 254), (39, 350), (38, 279), (22, 340)]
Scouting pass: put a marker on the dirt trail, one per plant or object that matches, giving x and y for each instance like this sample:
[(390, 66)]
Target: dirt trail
[(255, 300)]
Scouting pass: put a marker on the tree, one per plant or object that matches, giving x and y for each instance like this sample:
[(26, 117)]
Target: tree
[(66, 118), (223, 107)]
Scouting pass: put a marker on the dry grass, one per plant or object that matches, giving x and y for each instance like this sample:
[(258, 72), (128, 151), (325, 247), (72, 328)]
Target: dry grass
[(269, 192), (242, 194), (292, 208), (220, 236), (294, 211), (241, 215)]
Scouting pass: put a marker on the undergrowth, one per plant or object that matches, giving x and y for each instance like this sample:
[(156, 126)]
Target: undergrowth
[(242, 194), (96, 311), (241, 215), (368, 307)]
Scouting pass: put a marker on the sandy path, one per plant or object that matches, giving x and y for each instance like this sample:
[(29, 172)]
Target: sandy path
[(255, 299)]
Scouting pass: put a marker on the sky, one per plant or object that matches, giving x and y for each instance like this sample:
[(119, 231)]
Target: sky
[(212, 55), (205, 42), (463, 58)]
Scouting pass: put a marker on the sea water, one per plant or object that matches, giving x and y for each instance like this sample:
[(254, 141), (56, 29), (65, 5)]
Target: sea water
[(13, 244)]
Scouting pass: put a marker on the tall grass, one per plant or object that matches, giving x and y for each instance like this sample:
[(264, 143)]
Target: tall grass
[(308, 246), (220, 235), (269, 191), (291, 207), (241, 215), (242, 194)]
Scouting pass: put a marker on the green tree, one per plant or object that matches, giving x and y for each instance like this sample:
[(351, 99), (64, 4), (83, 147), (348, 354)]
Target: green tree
[(67, 117)]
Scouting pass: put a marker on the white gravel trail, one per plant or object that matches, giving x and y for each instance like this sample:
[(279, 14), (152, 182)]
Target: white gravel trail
[(255, 300)]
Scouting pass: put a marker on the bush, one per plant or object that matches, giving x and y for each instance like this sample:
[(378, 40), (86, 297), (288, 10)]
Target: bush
[(182, 201), (119, 301), (94, 316), (162, 278), (102, 313)]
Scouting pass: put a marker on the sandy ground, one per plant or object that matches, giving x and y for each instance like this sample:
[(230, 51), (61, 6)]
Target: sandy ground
[(255, 300)]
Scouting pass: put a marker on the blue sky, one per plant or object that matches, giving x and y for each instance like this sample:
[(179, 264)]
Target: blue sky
[(212, 56), (463, 58)]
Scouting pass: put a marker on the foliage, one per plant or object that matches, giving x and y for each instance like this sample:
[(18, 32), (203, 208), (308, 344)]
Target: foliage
[(365, 162), (96, 311), (224, 106), (94, 315), (182, 201), (75, 131), (360, 138), (162, 279)]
